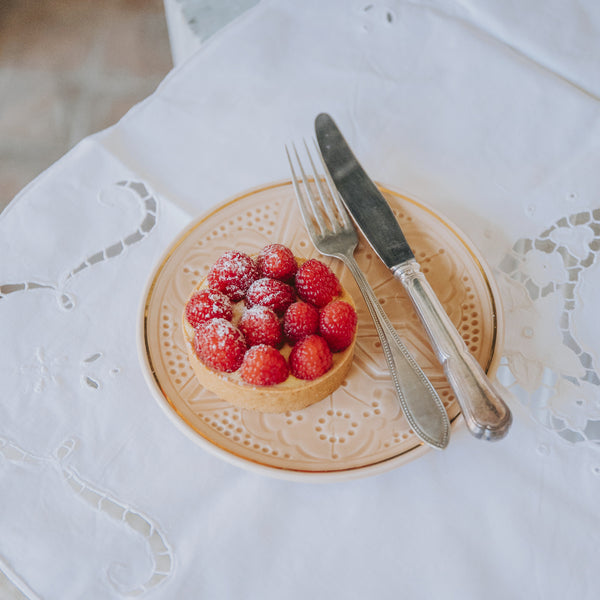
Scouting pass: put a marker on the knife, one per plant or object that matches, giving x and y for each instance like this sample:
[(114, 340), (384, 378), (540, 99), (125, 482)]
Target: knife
[(486, 414)]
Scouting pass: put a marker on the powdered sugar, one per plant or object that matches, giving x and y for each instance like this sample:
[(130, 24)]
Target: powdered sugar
[(257, 311), (272, 293), (220, 345), (207, 304), (277, 261), (232, 274), (260, 325)]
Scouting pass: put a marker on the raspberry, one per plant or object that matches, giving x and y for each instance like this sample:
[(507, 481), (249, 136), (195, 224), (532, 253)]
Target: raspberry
[(232, 274), (337, 324), (272, 293), (317, 283), (310, 358), (205, 305), (260, 325), (277, 261), (300, 321), (219, 345), (264, 365)]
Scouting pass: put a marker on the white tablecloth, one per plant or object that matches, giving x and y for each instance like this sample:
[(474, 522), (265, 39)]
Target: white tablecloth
[(488, 111)]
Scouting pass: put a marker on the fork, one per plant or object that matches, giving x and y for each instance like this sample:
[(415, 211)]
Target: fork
[(333, 234)]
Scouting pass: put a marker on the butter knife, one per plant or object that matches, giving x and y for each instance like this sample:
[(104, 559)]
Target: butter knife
[(486, 414)]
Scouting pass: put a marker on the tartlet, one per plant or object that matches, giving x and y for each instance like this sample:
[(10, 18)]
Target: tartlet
[(293, 394)]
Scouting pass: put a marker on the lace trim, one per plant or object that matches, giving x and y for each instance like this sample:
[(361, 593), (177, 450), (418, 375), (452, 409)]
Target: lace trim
[(546, 272)]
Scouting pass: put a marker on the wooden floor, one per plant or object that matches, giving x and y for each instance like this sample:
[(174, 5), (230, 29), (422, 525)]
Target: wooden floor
[(69, 68)]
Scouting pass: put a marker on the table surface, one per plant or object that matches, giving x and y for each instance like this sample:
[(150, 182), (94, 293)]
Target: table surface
[(487, 112)]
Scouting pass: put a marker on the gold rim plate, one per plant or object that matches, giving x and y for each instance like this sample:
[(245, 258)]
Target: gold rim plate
[(359, 430)]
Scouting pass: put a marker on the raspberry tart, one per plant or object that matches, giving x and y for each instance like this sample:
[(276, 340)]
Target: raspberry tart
[(272, 332)]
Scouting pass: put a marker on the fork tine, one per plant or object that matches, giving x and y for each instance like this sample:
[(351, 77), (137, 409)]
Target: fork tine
[(325, 203), (335, 195), (306, 215), (313, 215), (311, 196)]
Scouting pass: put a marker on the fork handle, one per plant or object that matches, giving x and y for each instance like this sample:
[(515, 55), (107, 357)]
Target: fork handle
[(486, 414), (420, 403)]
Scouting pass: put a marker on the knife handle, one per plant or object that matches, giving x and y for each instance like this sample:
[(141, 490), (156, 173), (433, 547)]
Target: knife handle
[(419, 401), (486, 414)]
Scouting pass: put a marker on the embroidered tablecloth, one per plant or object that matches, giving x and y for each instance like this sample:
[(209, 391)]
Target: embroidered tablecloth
[(486, 111)]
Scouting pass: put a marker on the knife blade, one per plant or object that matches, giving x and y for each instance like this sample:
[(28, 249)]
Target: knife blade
[(486, 414)]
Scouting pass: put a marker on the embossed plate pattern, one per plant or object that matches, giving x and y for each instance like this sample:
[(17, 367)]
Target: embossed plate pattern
[(359, 430)]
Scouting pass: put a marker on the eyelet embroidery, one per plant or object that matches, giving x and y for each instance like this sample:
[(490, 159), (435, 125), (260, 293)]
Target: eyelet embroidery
[(66, 301), (107, 504)]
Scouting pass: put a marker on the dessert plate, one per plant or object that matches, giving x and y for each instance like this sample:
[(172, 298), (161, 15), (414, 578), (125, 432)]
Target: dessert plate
[(359, 430)]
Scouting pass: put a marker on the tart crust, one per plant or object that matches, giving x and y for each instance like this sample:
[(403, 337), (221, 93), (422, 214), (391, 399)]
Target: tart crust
[(291, 395)]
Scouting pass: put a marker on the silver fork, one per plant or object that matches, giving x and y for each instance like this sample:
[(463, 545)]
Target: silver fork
[(333, 234)]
